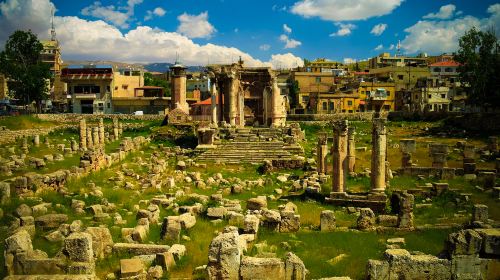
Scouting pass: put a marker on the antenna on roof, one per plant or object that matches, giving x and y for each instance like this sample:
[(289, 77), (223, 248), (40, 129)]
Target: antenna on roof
[(177, 58), (399, 48), (53, 29)]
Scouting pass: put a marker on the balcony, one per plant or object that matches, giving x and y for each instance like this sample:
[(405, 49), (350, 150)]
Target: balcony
[(85, 95)]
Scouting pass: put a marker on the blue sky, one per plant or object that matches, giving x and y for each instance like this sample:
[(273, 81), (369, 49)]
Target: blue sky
[(262, 31)]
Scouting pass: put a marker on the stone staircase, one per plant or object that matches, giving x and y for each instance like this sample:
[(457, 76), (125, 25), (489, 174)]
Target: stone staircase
[(251, 145)]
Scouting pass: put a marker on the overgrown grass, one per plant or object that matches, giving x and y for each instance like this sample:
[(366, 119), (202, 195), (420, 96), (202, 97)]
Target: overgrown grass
[(24, 122)]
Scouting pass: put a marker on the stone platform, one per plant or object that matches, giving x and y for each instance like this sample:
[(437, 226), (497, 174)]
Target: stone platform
[(375, 201)]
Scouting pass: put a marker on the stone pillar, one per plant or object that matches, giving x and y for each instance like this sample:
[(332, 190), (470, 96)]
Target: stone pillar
[(379, 146), (469, 163), (90, 143), (214, 104), (438, 153), (74, 146), (24, 146), (407, 147), (339, 152), (47, 142), (36, 140), (351, 149), (101, 132), (241, 104), (83, 134), (277, 102), (116, 133), (233, 100), (322, 152), (95, 136), (120, 129), (493, 144), (405, 215)]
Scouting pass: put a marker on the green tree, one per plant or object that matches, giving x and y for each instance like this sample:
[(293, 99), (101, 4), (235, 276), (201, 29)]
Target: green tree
[(293, 92), (20, 63), (479, 59), (150, 80)]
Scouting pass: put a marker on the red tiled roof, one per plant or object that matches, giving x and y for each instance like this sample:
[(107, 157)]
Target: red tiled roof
[(208, 101), (445, 63)]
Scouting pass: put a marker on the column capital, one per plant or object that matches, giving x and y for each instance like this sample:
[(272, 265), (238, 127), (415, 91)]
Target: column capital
[(340, 126)]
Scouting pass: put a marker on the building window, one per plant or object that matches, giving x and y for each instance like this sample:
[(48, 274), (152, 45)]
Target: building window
[(124, 86), (443, 96), (331, 106), (305, 99), (109, 105), (318, 79), (108, 88), (324, 106), (349, 103), (430, 96), (416, 97), (400, 77), (448, 69), (437, 69)]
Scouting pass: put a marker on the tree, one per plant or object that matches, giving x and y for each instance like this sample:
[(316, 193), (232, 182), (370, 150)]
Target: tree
[(150, 80), (20, 63), (293, 92), (479, 59)]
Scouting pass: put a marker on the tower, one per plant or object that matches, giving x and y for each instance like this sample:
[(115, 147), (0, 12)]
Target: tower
[(178, 87), (53, 29)]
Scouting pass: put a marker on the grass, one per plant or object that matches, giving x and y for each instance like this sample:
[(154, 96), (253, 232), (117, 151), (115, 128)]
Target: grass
[(24, 122)]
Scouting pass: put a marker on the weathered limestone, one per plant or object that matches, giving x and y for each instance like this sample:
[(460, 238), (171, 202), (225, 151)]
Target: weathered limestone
[(327, 220), (366, 219), (405, 215), (224, 255), (205, 137), (213, 105), (36, 140), (95, 137), (480, 213), (139, 249), (90, 142), (351, 149), (171, 228), (178, 88), (116, 134), (278, 114), (322, 151), (83, 134), (262, 268), (339, 153), (407, 148), (438, 152), (132, 269), (101, 131), (78, 247), (379, 150)]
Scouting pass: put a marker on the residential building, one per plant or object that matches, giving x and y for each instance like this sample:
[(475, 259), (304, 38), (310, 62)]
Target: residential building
[(385, 60), (445, 69), (312, 84), (404, 78), (326, 66), (377, 96), (430, 99), (51, 55), (440, 58), (200, 85)]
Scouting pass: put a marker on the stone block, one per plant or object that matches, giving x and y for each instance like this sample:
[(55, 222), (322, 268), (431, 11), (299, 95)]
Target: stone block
[(256, 203), (491, 241), (131, 268), (480, 213), (78, 247), (21, 240), (251, 224), (262, 268), (289, 222), (50, 221), (187, 220), (171, 228), (327, 220), (294, 267)]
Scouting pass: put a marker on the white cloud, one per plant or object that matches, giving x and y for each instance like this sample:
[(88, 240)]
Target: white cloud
[(118, 16), (97, 40), (287, 29), (195, 26), (289, 43), (379, 47), (264, 47), (391, 47), (158, 11), (344, 29), (442, 35), (341, 10), (349, 60), (285, 61), (445, 12), (378, 29)]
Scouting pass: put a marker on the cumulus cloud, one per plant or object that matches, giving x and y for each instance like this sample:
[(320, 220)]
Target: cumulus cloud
[(445, 12), (118, 16), (378, 29), (264, 47), (97, 40), (341, 10), (158, 11), (391, 47), (379, 47), (195, 26), (289, 43), (349, 60), (287, 29), (344, 29), (285, 61), (438, 36)]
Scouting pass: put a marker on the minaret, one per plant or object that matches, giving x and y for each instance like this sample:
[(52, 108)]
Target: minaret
[(178, 87), (53, 29)]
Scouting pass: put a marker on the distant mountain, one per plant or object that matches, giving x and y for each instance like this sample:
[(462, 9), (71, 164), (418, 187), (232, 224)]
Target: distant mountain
[(164, 67)]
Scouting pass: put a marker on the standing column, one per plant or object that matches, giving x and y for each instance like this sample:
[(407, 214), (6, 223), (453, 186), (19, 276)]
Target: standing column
[(95, 136), (277, 101), (339, 152), (233, 100), (90, 143), (120, 129), (407, 147), (83, 134), (351, 149), (36, 140), (214, 103), (322, 152), (379, 146), (241, 103), (115, 129), (101, 131)]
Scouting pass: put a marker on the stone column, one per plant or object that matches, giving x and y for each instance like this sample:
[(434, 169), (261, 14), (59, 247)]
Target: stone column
[(233, 100), (351, 149), (36, 140), (379, 146), (120, 129), (339, 152), (90, 143), (115, 129), (24, 147), (101, 131), (469, 163), (214, 104), (241, 104), (322, 152), (438, 153), (83, 134), (407, 147), (95, 136), (74, 146), (277, 116), (405, 215)]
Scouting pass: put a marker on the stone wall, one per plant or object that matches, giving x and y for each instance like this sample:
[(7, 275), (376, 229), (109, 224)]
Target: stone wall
[(76, 117), (362, 116), (9, 136)]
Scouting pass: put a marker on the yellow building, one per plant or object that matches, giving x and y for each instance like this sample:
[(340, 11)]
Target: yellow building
[(3, 87), (404, 78), (385, 59), (323, 65), (51, 55), (312, 84), (376, 96), (338, 102)]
